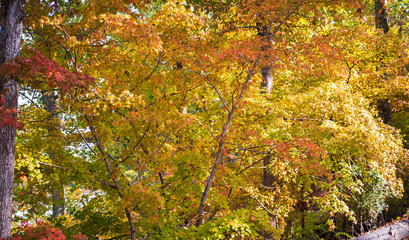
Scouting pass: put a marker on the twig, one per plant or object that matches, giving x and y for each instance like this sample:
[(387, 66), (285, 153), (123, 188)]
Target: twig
[(51, 165), (107, 184), (154, 154)]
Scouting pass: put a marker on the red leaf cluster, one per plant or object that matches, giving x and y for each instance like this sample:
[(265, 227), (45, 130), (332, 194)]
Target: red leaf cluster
[(309, 157), (41, 231), (7, 116), (39, 71)]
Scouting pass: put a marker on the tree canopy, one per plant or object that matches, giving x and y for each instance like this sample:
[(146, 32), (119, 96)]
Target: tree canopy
[(207, 119)]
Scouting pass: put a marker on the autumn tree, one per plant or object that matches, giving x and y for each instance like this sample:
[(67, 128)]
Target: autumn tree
[(174, 136)]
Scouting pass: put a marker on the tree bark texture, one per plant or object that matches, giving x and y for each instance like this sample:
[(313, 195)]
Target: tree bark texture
[(10, 37), (58, 200), (267, 82)]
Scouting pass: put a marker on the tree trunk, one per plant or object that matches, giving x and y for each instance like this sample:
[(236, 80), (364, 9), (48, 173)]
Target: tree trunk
[(385, 111), (267, 83), (10, 36), (381, 17), (381, 22), (206, 190), (58, 201), (58, 190), (268, 178), (131, 226), (266, 86)]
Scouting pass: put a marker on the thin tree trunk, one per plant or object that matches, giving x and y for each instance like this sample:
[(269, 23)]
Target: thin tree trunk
[(58, 201), (381, 22), (58, 190), (268, 181), (117, 186), (268, 178), (131, 225), (267, 83), (10, 36), (206, 190)]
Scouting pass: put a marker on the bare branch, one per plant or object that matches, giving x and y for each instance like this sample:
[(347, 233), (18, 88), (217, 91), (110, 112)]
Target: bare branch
[(102, 150), (79, 132), (235, 28), (304, 119), (207, 128), (139, 141), (51, 165), (107, 184), (284, 20), (260, 204), (249, 166)]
